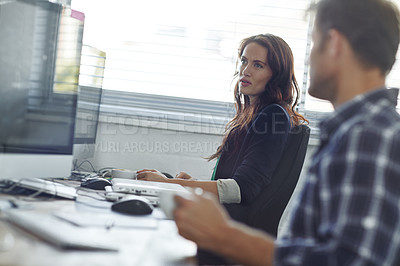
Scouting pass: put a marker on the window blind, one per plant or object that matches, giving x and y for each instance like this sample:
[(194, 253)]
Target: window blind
[(188, 49)]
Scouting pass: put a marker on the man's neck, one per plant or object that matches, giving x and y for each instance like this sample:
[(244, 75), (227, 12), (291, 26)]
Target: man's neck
[(355, 81)]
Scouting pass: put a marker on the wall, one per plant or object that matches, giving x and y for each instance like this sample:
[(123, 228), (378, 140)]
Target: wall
[(137, 147)]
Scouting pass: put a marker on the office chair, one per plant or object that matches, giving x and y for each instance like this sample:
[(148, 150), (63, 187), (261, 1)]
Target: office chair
[(267, 208)]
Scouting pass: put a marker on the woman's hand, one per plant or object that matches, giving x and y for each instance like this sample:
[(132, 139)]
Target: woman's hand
[(183, 175), (151, 175)]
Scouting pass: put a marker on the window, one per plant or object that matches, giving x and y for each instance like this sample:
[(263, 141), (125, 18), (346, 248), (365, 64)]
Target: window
[(185, 48), (188, 49)]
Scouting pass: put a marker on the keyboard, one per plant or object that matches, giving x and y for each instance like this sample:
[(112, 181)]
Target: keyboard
[(49, 187), (145, 188), (56, 232)]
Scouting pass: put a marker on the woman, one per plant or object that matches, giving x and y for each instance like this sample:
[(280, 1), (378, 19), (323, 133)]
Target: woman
[(266, 94)]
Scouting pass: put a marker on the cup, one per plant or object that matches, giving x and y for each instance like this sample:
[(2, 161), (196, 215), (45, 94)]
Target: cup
[(167, 202)]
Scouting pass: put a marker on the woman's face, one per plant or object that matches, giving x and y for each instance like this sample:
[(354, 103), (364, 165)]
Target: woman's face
[(254, 72)]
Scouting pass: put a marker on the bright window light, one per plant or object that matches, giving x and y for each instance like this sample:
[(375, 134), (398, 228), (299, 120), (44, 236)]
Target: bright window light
[(188, 48)]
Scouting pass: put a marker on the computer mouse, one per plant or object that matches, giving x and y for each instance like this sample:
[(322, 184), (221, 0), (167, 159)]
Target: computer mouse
[(135, 205), (96, 183), (167, 175)]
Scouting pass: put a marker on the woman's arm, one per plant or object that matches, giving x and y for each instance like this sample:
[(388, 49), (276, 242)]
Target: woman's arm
[(154, 175)]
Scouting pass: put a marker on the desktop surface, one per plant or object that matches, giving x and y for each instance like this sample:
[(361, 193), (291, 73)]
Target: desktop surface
[(149, 240)]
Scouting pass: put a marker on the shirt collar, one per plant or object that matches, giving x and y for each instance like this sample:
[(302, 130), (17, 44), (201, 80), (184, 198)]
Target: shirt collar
[(347, 110)]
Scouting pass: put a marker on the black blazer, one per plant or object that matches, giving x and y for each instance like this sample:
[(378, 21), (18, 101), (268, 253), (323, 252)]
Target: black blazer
[(251, 165)]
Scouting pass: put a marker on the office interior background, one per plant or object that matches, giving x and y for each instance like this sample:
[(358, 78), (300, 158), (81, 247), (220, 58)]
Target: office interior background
[(167, 79)]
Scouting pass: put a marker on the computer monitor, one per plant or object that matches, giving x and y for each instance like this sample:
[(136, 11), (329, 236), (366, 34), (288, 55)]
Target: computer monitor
[(89, 96), (86, 123), (87, 115), (39, 58), (89, 100)]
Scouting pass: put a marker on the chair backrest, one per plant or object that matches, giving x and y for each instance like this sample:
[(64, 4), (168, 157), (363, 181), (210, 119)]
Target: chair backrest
[(267, 208)]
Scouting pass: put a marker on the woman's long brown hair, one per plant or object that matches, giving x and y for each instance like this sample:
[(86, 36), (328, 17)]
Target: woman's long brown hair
[(281, 89)]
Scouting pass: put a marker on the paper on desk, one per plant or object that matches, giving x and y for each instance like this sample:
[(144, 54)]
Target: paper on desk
[(107, 220)]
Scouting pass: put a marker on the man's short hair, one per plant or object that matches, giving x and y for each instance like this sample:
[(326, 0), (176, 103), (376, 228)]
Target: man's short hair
[(371, 27)]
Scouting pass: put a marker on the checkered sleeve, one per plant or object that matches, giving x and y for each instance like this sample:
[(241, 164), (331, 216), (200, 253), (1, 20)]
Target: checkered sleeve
[(353, 212)]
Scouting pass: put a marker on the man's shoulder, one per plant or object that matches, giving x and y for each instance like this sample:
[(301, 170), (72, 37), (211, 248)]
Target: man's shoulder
[(377, 117), (371, 131), (371, 124)]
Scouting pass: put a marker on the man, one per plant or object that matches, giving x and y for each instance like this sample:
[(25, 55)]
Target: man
[(348, 212)]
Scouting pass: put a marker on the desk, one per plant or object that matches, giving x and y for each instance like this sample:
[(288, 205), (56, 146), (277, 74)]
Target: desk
[(160, 245)]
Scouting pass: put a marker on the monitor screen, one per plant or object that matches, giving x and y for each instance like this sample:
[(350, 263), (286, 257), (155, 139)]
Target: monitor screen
[(89, 96), (87, 115), (39, 81)]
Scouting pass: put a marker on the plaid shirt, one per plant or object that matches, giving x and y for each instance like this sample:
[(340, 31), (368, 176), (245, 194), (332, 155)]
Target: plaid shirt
[(348, 212)]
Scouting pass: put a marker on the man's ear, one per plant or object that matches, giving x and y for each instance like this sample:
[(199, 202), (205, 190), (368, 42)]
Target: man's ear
[(334, 43)]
